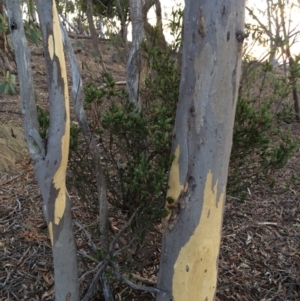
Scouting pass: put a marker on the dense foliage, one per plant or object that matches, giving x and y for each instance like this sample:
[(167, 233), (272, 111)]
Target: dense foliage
[(262, 141), (135, 145)]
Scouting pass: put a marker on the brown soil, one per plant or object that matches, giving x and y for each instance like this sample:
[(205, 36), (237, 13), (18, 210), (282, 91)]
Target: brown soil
[(259, 258)]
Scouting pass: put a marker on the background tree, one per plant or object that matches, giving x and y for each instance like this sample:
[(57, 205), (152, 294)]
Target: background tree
[(281, 37), (293, 65), (135, 59), (123, 13), (154, 32), (213, 38), (108, 10)]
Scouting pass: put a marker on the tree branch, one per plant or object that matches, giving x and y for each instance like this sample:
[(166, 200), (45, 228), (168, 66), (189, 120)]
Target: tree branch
[(149, 289), (77, 96)]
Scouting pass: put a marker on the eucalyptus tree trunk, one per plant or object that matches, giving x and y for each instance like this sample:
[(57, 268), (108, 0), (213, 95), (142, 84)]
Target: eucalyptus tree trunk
[(78, 99), (134, 61), (211, 64), (50, 159), (150, 32), (123, 23), (272, 42)]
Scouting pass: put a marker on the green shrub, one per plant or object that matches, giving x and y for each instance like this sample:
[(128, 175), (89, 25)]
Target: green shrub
[(262, 141), (135, 146), (8, 84), (44, 121)]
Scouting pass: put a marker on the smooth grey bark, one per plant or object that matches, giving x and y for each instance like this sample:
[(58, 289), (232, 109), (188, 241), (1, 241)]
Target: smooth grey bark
[(134, 60), (22, 54), (50, 160), (211, 64), (77, 97)]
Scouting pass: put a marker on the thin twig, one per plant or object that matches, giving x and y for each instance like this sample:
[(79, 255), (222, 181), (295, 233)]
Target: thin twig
[(125, 247), (143, 279), (87, 256), (23, 256), (103, 264), (120, 83), (98, 266), (106, 289), (11, 112), (95, 282), (114, 241), (19, 204), (88, 235), (149, 289), (267, 224)]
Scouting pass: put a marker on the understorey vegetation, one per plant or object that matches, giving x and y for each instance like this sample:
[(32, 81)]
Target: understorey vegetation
[(120, 164), (135, 145)]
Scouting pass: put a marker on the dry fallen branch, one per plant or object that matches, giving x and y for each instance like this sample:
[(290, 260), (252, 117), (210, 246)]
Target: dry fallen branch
[(94, 282), (120, 83), (149, 289), (143, 279), (88, 235), (98, 266), (112, 244), (11, 112), (267, 224)]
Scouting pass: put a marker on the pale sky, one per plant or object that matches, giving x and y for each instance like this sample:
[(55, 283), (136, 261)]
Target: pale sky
[(292, 18), (259, 7), (166, 7), (258, 51)]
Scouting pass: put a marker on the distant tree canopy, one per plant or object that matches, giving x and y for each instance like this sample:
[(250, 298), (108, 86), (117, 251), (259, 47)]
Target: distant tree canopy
[(107, 8)]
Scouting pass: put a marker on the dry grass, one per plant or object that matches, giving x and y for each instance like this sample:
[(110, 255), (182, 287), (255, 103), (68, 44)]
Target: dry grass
[(12, 147)]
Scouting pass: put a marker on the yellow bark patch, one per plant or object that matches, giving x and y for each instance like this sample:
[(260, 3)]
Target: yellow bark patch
[(51, 46), (59, 179), (175, 187), (50, 227), (195, 271)]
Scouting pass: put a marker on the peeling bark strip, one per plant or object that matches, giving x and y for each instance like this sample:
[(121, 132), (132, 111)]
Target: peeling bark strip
[(50, 162), (202, 142), (56, 66)]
